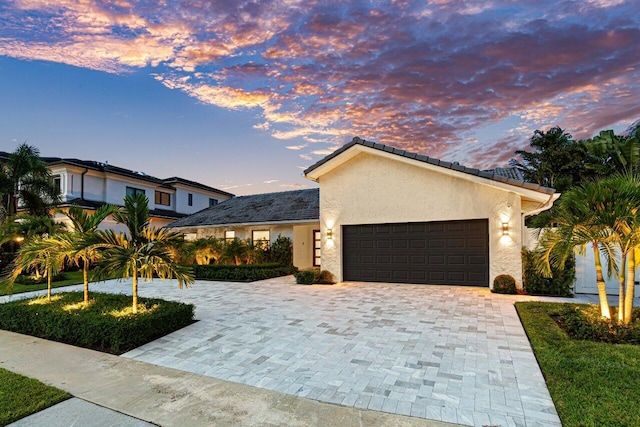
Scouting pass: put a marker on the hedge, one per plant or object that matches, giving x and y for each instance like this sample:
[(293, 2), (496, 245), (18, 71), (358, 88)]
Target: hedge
[(242, 273), (103, 325), (561, 284)]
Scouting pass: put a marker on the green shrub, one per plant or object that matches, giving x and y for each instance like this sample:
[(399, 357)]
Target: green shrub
[(242, 273), (584, 322), (305, 277), (103, 325), (25, 279), (561, 284), (281, 251), (504, 284), (309, 277)]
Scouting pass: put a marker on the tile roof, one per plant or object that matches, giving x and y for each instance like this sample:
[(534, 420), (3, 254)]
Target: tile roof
[(489, 174), (511, 172), (286, 206)]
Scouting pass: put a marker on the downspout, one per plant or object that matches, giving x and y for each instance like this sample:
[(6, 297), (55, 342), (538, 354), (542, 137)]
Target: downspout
[(82, 183), (545, 206)]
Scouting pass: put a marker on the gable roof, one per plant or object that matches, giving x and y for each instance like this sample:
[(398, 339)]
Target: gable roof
[(286, 206), (488, 174)]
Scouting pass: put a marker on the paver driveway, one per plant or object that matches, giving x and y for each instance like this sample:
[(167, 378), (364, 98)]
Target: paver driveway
[(447, 353)]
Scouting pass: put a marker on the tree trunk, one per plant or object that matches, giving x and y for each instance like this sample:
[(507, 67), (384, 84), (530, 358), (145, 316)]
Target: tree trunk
[(49, 285), (134, 308), (621, 278), (631, 282), (85, 277), (605, 311)]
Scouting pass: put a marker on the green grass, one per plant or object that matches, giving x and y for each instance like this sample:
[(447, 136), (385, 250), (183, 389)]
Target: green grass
[(591, 383), (71, 278), (106, 323), (21, 396)]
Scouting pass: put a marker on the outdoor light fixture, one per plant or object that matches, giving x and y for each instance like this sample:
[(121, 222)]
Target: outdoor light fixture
[(505, 228), (329, 234)]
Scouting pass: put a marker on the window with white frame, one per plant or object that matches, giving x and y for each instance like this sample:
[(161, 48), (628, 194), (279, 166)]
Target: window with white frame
[(229, 235), (132, 191), (260, 238), (163, 198), (190, 199), (213, 202), (57, 182)]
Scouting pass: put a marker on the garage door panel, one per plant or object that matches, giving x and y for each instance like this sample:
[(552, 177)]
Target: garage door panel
[(453, 252)]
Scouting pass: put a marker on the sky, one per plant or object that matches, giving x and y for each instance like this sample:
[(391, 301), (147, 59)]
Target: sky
[(244, 95)]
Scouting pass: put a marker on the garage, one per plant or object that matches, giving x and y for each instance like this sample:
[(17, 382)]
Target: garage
[(435, 253)]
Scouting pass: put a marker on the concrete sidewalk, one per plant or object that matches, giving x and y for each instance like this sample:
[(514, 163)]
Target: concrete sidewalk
[(168, 397)]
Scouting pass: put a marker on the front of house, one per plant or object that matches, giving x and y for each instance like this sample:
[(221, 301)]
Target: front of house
[(387, 215)]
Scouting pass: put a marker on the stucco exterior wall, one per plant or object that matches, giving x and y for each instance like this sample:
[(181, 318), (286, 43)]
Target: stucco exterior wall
[(372, 189), (303, 245)]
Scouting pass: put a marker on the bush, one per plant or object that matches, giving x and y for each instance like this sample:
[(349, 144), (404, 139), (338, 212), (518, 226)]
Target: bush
[(309, 277), (24, 279), (560, 284), (281, 251), (105, 324), (242, 273), (585, 323), (504, 284)]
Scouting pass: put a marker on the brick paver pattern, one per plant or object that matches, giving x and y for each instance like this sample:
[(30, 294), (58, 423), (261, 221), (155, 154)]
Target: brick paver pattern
[(449, 353)]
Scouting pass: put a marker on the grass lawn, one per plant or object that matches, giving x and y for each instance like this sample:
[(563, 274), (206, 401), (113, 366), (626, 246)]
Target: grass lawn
[(21, 396), (592, 384), (71, 278)]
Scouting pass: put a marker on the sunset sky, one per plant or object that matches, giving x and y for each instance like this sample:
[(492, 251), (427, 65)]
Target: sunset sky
[(243, 95)]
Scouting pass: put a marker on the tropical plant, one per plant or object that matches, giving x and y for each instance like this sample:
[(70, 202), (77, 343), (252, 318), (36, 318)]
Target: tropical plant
[(281, 251), (236, 251), (613, 153), (207, 250), (43, 256), (24, 177), (142, 253), (84, 223)]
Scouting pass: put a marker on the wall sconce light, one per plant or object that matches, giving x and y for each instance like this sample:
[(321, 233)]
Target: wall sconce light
[(505, 228), (329, 234)]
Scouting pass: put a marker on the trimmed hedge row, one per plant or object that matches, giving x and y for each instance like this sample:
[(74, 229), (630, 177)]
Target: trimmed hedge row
[(242, 273), (584, 322), (102, 325)]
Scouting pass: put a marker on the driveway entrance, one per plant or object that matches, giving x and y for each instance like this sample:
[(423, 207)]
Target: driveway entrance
[(449, 353)]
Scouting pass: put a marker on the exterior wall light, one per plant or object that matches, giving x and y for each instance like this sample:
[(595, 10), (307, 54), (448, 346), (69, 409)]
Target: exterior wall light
[(329, 234), (505, 228)]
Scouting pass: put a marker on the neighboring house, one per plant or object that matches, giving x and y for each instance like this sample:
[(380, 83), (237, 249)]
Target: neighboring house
[(263, 217), (388, 215), (91, 184)]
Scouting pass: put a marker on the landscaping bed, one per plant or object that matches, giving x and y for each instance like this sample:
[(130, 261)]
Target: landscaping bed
[(242, 273), (105, 324), (21, 396), (591, 383)]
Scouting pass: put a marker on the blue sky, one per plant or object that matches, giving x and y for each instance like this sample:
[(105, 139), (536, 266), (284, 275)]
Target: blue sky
[(243, 95)]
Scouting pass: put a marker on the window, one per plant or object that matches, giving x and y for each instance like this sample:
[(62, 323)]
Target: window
[(57, 183), (132, 191), (163, 198), (190, 199), (229, 235), (190, 236), (213, 202), (260, 238), (317, 245)]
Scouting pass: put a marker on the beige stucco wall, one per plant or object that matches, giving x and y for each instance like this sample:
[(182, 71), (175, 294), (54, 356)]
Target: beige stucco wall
[(371, 189), (300, 234), (303, 245)]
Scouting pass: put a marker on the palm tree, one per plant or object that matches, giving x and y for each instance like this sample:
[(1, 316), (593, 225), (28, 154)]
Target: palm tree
[(42, 254), (579, 222), (141, 253), (84, 223), (25, 177)]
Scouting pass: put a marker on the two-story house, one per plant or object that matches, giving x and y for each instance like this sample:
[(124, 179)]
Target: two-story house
[(91, 184)]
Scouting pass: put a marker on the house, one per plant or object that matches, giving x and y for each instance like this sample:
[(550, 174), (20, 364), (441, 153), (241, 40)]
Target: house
[(91, 184), (388, 215), (263, 217)]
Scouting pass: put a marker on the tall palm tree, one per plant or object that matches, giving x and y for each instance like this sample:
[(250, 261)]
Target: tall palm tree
[(25, 178), (141, 253), (84, 223), (42, 254), (580, 220)]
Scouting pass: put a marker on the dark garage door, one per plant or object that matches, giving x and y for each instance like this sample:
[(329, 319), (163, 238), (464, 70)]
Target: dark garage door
[(435, 253)]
